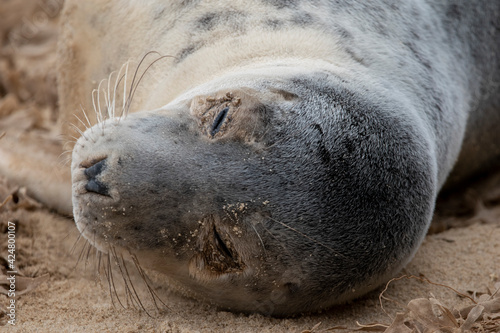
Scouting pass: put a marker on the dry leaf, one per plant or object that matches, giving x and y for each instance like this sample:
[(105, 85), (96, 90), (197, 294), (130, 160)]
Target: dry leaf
[(398, 325), (432, 316), (490, 306), (474, 314)]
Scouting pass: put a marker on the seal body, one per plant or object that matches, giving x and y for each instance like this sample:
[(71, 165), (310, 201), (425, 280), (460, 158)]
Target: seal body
[(287, 156)]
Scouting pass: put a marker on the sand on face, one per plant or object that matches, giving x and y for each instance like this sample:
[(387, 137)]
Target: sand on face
[(465, 257)]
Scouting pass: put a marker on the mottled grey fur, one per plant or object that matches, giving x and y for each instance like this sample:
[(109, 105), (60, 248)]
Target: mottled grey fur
[(329, 181)]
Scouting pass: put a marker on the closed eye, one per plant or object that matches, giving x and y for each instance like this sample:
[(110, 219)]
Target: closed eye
[(218, 121)]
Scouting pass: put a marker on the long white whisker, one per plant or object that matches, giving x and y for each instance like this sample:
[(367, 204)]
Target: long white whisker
[(131, 97), (108, 99), (86, 118), (98, 116), (65, 158), (117, 82), (99, 104), (93, 104), (136, 72), (134, 84), (79, 131), (106, 102), (124, 102), (81, 122)]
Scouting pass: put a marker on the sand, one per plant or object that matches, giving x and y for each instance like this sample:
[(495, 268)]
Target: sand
[(57, 286)]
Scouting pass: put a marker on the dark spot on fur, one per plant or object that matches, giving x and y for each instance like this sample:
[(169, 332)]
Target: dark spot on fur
[(395, 6), (322, 151), (454, 12), (273, 23), (187, 51), (349, 145), (186, 3), (354, 56), (207, 21), (232, 19), (381, 28), (280, 4), (302, 19), (414, 34), (419, 56), (343, 33)]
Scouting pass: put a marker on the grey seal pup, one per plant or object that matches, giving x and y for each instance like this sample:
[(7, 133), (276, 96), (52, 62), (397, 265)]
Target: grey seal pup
[(287, 156)]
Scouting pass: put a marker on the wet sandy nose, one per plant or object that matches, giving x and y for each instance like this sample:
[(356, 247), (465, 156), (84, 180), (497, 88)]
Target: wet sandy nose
[(92, 172)]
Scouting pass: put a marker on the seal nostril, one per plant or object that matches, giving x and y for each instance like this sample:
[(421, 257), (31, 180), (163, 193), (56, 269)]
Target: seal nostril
[(97, 187), (94, 169), (92, 172)]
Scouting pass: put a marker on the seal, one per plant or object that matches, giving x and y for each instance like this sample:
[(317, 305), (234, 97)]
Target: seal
[(286, 155)]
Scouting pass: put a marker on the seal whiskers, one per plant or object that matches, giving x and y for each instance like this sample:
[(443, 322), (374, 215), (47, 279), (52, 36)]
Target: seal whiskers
[(117, 260), (110, 93), (154, 296)]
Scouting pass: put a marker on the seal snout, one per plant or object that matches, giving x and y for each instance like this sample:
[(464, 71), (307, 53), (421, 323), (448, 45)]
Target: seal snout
[(92, 171)]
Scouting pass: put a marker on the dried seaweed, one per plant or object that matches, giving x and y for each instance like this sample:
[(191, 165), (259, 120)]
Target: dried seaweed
[(426, 315)]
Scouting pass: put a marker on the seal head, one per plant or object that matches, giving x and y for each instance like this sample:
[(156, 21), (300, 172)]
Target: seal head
[(277, 196)]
